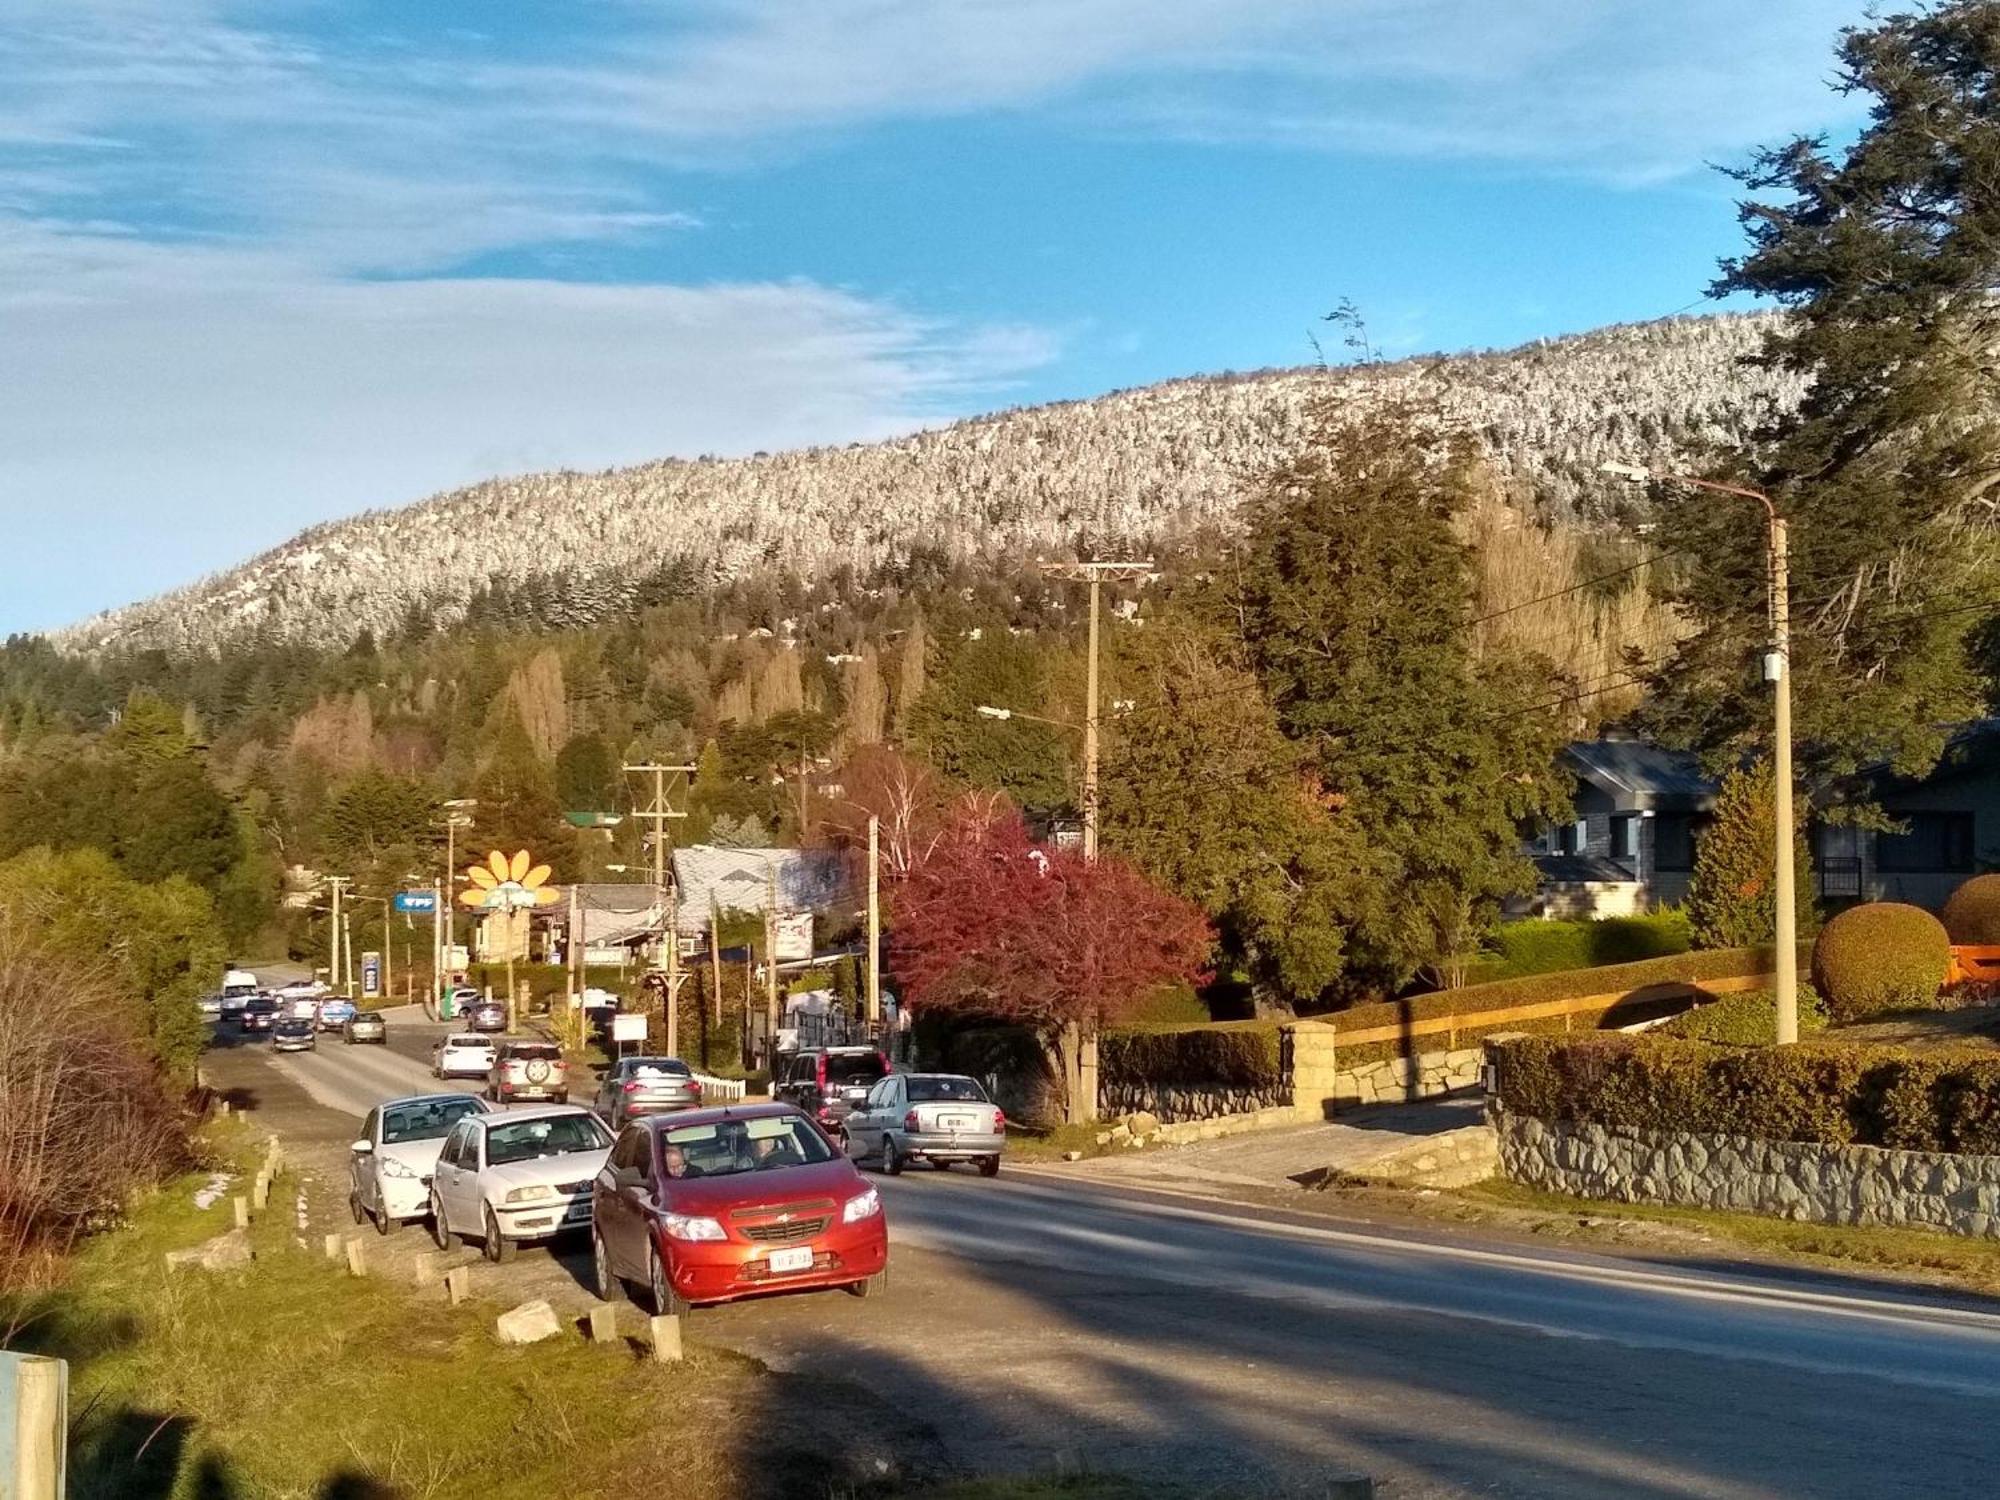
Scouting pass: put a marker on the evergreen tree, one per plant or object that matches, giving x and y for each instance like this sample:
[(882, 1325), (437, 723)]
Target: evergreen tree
[(1354, 600), (588, 778), (1732, 898), (1885, 253), (517, 801)]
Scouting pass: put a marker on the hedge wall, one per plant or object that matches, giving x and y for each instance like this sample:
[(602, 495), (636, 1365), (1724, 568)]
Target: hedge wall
[(1629, 981), (1547, 947), (1227, 1054), (1819, 1092)]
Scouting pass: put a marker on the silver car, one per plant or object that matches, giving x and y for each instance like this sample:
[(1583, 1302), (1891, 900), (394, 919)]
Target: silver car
[(635, 1086), (935, 1117)]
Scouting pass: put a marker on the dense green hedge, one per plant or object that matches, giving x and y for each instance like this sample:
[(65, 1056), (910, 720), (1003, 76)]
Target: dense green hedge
[(1633, 982), (1746, 1020), (1228, 1054), (1878, 957), (1547, 947), (1820, 1092)]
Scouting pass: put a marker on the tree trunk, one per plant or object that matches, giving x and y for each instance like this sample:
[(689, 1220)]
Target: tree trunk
[(1069, 1052)]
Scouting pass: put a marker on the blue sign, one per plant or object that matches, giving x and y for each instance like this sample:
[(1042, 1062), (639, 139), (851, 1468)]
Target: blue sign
[(416, 901)]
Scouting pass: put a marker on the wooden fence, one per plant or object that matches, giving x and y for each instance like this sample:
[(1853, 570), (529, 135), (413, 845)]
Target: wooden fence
[(1450, 1026)]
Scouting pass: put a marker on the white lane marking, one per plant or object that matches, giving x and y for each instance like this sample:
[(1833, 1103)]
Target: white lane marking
[(1963, 1321)]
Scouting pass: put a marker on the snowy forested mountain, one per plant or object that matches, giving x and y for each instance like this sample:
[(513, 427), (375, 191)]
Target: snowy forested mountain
[(1136, 466)]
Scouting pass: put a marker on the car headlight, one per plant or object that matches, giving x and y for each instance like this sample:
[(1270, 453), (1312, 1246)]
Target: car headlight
[(861, 1206), (531, 1195), (691, 1227), (393, 1168)]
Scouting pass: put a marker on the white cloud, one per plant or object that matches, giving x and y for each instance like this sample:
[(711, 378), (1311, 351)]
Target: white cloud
[(187, 405)]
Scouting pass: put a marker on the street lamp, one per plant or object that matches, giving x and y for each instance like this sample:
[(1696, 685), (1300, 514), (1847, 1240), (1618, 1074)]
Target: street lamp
[(988, 711), (1778, 672)]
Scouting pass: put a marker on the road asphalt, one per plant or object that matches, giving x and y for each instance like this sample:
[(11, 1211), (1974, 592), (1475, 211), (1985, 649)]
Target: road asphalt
[(1049, 1319)]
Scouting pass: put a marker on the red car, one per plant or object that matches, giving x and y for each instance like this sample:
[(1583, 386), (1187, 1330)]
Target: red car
[(707, 1205)]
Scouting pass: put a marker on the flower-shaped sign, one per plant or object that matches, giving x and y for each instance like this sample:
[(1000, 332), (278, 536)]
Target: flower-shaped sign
[(503, 884)]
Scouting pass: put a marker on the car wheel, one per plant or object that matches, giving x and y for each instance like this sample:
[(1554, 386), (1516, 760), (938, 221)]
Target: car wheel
[(667, 1302), (989, 1166), (354, 1207), (874, 1286), (892, 1156), (499, 1249), (440, 1234), (609, 1287), (386, 1223)]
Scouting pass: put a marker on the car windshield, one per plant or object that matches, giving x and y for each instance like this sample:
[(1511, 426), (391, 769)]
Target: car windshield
[(651, 1067), (426, 1120), (728, 1147), (469, 1041), (524, 1140), (295, 1028), (852, 1067), (931, 1090)]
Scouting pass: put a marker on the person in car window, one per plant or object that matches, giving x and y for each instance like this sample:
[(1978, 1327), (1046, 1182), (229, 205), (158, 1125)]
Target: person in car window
[(675, 1162), (774, 1151)]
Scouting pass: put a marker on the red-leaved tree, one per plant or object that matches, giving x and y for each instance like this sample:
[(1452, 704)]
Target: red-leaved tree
[(993, 924)]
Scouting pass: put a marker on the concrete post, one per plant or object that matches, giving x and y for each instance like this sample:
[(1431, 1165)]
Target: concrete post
[(664, 1335), (457, 1284), (39, 1414), (241, 1207), (355, 1264), (604, 1324), (331, 1246)]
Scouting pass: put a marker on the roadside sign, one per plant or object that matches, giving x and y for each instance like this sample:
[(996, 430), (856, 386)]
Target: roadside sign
[(793, 932), (628, 1028), (371, 974), (416, 901)]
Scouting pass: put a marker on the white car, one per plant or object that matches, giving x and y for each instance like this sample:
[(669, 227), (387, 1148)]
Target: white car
[(463, 1054), (391, 1165), (522, 1175)]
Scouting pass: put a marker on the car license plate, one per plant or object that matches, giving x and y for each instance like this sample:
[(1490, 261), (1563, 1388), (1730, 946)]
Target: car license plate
[(956, 1123), (797, 1259)]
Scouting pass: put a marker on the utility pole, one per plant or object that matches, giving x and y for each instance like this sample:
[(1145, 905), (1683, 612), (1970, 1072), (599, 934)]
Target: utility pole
[(1083, 1107), (347, 942), (874, 921), (1777, 672), (457, 815), (771, 965), (658, 812), (339, 883)]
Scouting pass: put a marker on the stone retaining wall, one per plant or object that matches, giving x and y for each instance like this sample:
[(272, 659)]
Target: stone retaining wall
[(1181, 1103), (1322, 1081), (1864, 1185), (1449, 1159)]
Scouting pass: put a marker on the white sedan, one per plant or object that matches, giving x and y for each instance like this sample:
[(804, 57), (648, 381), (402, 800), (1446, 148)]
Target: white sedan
[(463, 1054), (521, 1175), (391, 1165)]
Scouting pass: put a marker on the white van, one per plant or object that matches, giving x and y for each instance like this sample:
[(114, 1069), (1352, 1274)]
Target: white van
[(239, 982)]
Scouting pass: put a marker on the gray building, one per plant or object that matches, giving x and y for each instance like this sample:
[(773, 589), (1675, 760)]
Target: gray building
[(1630, 847), (1949, 828)]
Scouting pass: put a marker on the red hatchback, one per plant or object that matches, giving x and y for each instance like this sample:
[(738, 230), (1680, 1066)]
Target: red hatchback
[(712, 1204)]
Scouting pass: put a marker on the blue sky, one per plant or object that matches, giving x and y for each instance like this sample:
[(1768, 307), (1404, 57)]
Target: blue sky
[(269, 262)]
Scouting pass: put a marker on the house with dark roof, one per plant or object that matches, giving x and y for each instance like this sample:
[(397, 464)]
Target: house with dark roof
[(1641, 810), (1630, 847), (709, 878)]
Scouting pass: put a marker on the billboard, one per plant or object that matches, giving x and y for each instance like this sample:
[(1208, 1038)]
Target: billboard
[(417, 902), (628, 1028), (371, 974), (793, 937)]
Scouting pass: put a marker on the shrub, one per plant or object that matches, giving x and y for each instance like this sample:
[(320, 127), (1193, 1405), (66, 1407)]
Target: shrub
[(1746, 1020), (1972, 915), (1821, 1092), (1227, 1054), (1732, 898), (1545, 947), (1880, 956), (1170, 1005)]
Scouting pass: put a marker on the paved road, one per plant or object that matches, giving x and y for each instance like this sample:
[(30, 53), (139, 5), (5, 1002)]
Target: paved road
[(1042, 1319)]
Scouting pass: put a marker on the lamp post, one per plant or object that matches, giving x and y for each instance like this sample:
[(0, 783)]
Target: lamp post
[(1778, 671), (457, 815)]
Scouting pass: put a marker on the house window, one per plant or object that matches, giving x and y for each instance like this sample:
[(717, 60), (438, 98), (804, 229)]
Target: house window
[(1936, 843), (1625, 838), (1673, 841)]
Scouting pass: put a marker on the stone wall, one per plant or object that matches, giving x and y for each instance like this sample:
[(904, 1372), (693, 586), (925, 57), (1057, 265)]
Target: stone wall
[(1865, 1185), (1449, 1159), (1322, 1081), (1182, 1103)]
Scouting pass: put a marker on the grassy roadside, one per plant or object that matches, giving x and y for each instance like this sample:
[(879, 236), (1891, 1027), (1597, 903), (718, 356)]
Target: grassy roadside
[(1972, 1264)]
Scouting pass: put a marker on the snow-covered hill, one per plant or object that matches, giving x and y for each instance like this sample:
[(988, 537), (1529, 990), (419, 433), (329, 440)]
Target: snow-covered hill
[(1134, 465)]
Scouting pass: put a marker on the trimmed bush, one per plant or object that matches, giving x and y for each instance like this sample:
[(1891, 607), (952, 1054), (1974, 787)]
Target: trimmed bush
[(1545, 947), (1227, 1054), (1746, 1020), (1170, 1005), (1822, 1092), (1972, 915), (1880, 956)]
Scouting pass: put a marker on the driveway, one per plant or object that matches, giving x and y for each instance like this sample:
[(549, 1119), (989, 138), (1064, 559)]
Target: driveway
[(1287, 1157)]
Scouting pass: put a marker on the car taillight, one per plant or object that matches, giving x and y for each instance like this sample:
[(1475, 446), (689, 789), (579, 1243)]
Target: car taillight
[(819, 1070), (633, 1087), (694, 1087), (999, 1118), (826, 1111), (910, 1122)]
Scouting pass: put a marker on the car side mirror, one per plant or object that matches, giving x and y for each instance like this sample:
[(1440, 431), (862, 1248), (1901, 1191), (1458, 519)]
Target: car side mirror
[(363, 1148)]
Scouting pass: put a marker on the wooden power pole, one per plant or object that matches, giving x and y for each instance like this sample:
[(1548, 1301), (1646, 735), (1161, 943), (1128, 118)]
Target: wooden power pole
[(658, 812), (874, 922)]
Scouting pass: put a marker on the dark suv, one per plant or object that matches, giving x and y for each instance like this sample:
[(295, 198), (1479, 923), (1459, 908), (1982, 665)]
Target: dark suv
[(829, 1081)]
